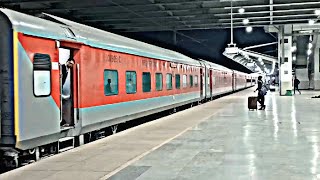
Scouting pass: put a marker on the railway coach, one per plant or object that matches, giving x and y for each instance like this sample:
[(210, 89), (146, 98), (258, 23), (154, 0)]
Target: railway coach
[(113, 80)]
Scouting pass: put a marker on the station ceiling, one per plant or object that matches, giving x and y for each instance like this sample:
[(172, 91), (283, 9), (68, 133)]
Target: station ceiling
[(164, 15), (191, 19)]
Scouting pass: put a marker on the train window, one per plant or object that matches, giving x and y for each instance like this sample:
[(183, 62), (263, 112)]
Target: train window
[(146, 82), (158, 81), (131, 82), (169, 81), (191, 81), (177, 81), (184, 81), (110, 82), (196, 81), (41, 75)]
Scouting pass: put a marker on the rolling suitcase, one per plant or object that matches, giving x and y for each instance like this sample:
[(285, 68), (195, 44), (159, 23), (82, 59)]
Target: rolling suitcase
[(252, 103)]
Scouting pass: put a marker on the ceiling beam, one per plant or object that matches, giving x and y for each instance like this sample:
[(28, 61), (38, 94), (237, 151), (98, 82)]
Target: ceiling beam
[(274, 5), (182, 12), (108, 10), (267, 12), (284, 21), (274, 17), (30, 1), (170, 13), (168, 28), (193, 22), (208, 25), (83, 6), (137, 19), (271, 11)]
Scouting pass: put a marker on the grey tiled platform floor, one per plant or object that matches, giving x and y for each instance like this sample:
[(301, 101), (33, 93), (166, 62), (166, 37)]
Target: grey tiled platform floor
[(217, 140), (279, 143)]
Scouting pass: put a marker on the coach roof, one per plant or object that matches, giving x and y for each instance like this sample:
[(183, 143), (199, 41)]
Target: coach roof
[(68, 30)]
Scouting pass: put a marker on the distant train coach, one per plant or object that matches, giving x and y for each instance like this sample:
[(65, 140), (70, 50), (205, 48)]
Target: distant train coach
[(62, 81)]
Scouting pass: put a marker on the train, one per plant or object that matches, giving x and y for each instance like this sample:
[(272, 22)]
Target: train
[(111, 80)]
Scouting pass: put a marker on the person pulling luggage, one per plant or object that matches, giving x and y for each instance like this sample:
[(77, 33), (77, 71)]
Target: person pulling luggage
[(262, 91)]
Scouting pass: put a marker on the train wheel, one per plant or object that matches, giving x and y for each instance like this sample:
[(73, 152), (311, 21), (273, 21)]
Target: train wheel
[(11, 162), (174, 110), (114, 129)]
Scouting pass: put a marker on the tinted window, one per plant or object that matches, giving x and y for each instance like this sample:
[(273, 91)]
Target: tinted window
[(110, 82), (146, 82), (191, 81), (177, 81), (169, 81), (184, 81), (131, 82), (196, 81), (158, 81)]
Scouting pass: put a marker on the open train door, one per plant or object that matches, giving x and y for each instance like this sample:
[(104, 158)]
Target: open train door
[(234, 81), (69, 84), (211, 82), (202, 83)]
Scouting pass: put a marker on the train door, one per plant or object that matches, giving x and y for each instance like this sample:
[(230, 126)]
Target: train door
[(234, 81), (69, 85), (207, 83), (202, 83), (211, 84)]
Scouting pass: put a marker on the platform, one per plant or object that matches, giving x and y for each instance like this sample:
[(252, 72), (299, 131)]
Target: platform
[(216, 140)]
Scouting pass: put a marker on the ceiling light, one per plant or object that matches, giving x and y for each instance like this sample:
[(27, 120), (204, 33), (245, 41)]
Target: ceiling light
[(317, 12), (293, 48), (294, 58), (250, 64), (311, 22), (310, 45), (245, 21), (241, 10), (249, 29), (305, 31), (309, 52)]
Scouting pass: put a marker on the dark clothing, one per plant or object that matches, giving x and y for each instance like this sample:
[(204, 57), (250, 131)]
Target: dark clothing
[(296, 88), (260, 97), (296, 83), (260, 83), (64, 73), (67, 117), (108, 89)]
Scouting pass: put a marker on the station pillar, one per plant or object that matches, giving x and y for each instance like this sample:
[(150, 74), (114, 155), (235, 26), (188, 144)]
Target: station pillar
[(285, 60), (316, 74)]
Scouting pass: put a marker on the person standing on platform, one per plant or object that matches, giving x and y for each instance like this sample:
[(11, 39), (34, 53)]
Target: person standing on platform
[(261, 93), (296, 85)]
